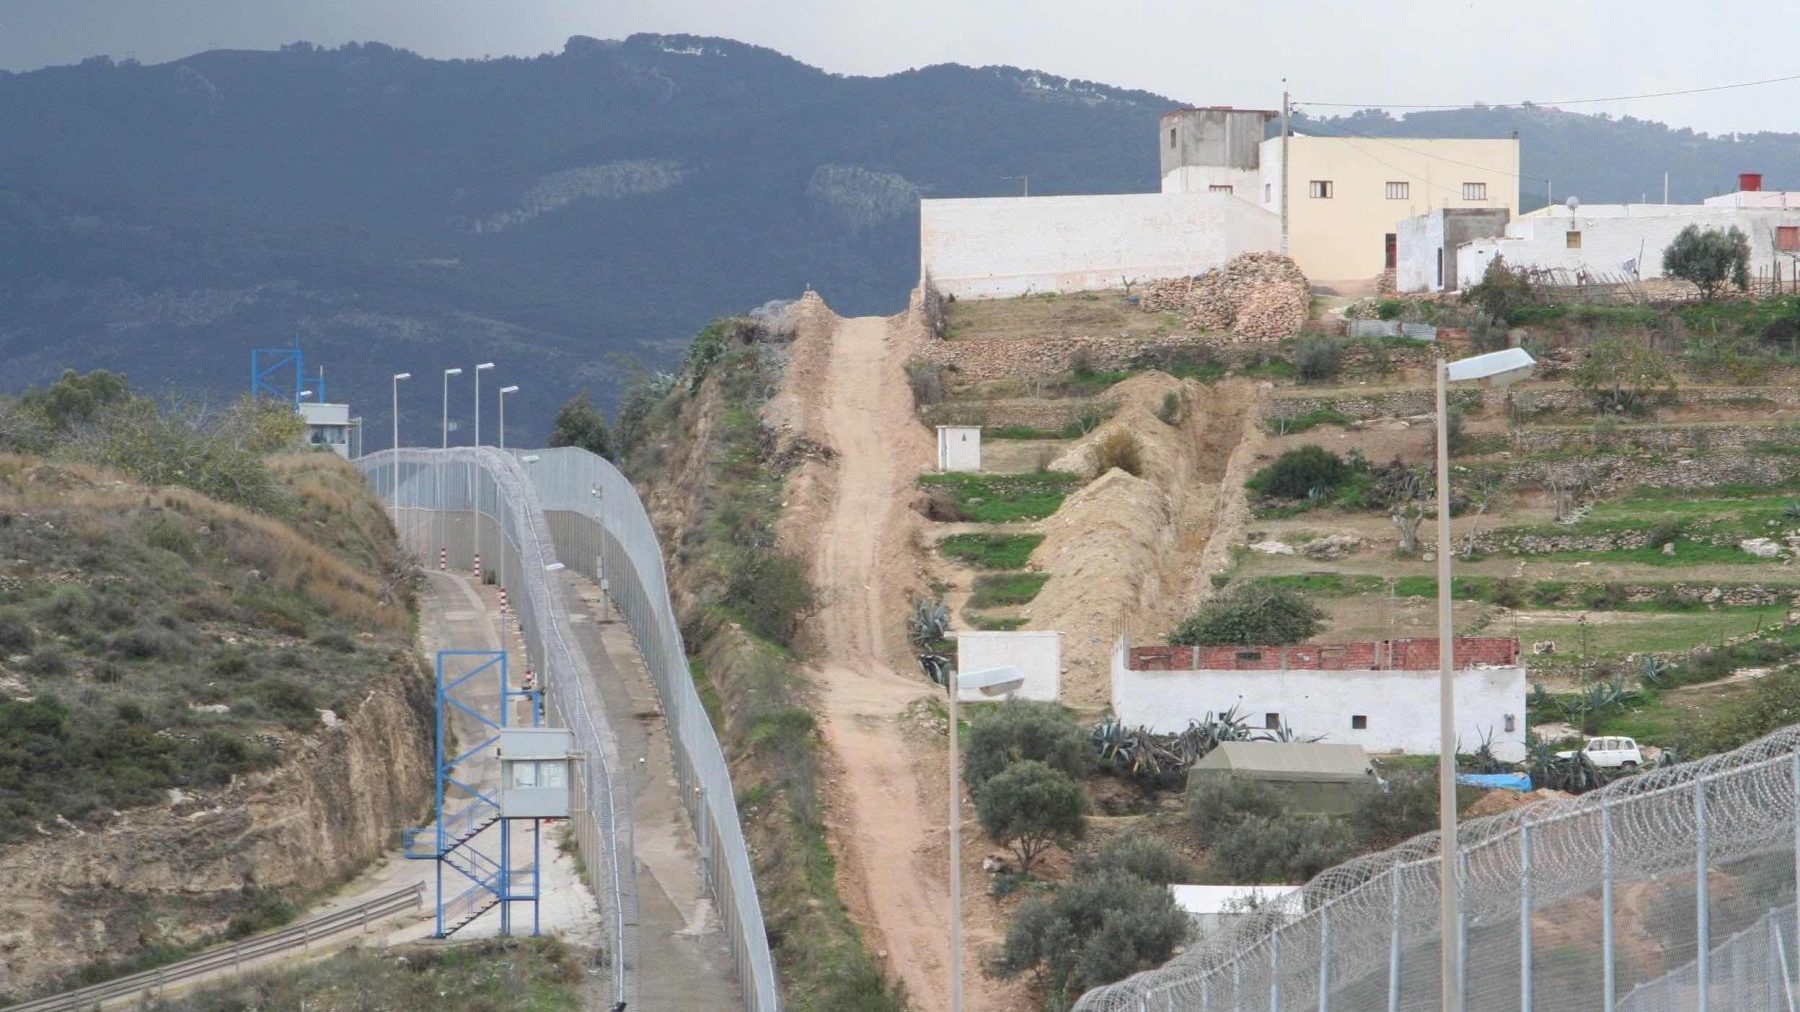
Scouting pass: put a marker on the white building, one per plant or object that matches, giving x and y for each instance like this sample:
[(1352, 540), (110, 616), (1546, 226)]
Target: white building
[(959, 447), (327, 425), (1380, 694), (1217, 908), (1603, 239)]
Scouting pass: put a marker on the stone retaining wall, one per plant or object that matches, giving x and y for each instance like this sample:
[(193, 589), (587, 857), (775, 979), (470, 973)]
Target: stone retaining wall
[(1050, 414)]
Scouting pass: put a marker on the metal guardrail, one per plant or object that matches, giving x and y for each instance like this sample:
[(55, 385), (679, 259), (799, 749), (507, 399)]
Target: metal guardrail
[(231, 957)]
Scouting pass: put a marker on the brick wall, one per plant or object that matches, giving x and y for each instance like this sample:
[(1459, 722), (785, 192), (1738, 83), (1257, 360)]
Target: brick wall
[(1419, 654)]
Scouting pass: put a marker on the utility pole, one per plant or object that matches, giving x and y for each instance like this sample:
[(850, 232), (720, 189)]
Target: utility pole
[(1024, 183), (1284, 167), (1665, 187)]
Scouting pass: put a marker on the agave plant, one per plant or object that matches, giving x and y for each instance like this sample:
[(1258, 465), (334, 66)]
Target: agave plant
[(1483, 760), (1792, 511), (1653, 670), (1541, 699), (928, 623), (1575, 773)]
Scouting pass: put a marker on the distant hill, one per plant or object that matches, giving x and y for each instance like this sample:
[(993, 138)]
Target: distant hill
[(562, 215)]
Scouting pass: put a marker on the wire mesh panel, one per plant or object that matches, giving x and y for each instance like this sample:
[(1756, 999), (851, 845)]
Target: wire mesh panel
[(571, 507), (1671, 889)]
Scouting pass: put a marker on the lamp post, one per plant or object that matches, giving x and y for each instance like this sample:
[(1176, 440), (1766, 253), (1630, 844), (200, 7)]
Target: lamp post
[(396, 489), (447, 374), (503, 392), (990, 682), (478, 370), (1495, 369)]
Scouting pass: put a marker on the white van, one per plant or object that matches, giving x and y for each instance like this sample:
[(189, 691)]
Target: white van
[(1610, 753)]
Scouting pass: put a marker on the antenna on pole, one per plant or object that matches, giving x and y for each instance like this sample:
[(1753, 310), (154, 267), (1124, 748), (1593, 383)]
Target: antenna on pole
[(1284, 167)]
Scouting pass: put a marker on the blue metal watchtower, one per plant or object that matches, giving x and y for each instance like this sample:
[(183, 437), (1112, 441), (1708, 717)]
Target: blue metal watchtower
[(453, 838)]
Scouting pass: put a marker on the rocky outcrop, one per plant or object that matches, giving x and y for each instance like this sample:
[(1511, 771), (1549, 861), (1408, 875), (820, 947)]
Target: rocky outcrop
[(177, 872)]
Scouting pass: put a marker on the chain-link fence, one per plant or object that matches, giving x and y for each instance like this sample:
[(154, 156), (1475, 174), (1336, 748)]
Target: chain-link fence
[(580, 512), (1671, 889), (465, 504)]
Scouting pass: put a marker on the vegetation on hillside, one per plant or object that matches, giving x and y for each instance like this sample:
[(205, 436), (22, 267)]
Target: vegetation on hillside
[(1251, 615), (745, 600), (499, 975)]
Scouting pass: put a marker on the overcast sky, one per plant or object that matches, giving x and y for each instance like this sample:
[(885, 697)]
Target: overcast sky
[(1362, 51)]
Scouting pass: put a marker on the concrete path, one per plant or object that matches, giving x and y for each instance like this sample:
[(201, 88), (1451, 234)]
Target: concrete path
[(684, 958)]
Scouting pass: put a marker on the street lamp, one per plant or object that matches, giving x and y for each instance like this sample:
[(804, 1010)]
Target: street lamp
[(1494, 369), (478, 369), (989, 682), (396, 490), (503, 392), (447, 374)]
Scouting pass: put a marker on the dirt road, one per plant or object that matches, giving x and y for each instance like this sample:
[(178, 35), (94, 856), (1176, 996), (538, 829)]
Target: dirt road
[(890, 829)]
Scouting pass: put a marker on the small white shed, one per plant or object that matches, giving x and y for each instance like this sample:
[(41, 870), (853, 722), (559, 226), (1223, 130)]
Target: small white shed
[(1215, 908), (959, 447)]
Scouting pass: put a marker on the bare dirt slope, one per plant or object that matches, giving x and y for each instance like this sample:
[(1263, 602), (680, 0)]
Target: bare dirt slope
[(846, 389), (1125, 551)]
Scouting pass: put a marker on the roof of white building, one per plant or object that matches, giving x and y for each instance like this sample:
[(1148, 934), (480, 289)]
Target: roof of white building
[(1748, 200)]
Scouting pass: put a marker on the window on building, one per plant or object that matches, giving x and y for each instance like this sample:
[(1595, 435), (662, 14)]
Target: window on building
[(1399, 191), (1572, 240), (1219, 188), (1358, 722), (1268, 192), (1474, 191), (1271, 721), (1390, 251), (1787, 237), (1509, 723), (1171, 137), (552, 773), (1249, 656), (1320, 188)]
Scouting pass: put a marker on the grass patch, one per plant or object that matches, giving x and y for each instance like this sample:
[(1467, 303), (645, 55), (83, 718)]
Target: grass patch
[(1002, 590), (1001, 498), (1327, 584), (992, 623), (1653, 632), (991, 551), (1284, 426)]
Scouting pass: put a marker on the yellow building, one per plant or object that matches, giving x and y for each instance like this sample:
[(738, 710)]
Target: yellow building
[(1347, 194)]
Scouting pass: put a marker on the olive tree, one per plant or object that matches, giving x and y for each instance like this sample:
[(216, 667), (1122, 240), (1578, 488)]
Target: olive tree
[(1021, 729), (1102, 926), (579, 423), (1622, 374), (1709, 258), (1250, 615), (1029, 807)]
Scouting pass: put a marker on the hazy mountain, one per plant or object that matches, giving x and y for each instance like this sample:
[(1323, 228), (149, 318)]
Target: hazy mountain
[(560, 214)]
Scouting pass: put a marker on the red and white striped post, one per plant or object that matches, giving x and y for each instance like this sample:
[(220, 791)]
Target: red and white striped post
[(502, 599), (443, 558), (477, 567)]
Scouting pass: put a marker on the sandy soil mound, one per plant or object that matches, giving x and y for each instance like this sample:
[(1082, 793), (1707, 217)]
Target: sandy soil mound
[(1121, 553)]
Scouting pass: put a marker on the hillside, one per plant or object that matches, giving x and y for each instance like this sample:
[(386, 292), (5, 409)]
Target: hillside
[(208, 712)]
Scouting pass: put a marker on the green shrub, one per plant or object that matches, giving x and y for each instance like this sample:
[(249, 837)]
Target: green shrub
[(579, 423), (1020, 729), (16, 634), (148, 642), (1251, 615), (1405, 809), (1139, 854), (1029, 807), (771, 592), (170, 535), (49, 662), (1174, 408), (286, 699), (926, 380), (1309, 471), (1282, 848), (1093, 930), (1216, 806), (1509, 592), (1318, 357), (1502, 293)]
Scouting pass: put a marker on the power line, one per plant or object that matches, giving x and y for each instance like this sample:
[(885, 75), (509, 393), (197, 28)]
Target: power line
[(1566, 101)]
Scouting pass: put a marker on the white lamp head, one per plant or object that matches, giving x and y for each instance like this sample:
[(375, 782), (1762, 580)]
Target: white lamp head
[(530, 458), (402, 376), (453, 372), (484, 365), (1494, 369), (509, 390), (992, 681)]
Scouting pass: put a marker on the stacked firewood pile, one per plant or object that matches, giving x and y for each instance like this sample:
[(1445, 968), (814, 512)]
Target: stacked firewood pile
[(1256, 297)]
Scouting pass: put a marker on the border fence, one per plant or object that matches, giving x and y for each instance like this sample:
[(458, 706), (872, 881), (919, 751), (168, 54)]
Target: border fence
[(568, 508), (1672, 889)]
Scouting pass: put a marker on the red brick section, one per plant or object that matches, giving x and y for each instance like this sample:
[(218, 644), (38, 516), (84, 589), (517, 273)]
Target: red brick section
[(1368, 655)]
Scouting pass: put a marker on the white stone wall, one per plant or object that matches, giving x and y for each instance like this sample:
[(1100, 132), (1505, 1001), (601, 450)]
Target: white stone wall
[(1246, 184), (1401, 706), (1036, 653), (1612, 234), (1418, 240), (959, 447), (1000, 247)]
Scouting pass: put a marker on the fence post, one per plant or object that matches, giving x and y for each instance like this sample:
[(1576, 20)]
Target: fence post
[(1275, 971), (1394, 940), (1795, 769), (1609, 991), (1702, 957), (1525, 917), (1237, 984), (1325, 958)]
